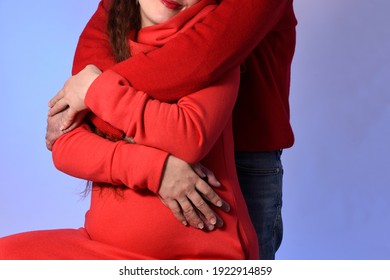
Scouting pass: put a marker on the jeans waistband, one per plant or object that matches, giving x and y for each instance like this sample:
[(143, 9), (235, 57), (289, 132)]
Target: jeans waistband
[(255, 155)]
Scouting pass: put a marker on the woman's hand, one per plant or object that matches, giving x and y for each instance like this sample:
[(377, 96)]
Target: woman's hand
[(53, 131), (71, 96), (186, 191)]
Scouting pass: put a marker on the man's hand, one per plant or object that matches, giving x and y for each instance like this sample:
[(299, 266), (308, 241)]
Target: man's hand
[(188, 196), (71, 96)]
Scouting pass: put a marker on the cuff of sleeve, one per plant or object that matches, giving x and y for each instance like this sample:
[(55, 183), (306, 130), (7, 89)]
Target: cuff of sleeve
[(155, 179), (143, 169), (106, 82)]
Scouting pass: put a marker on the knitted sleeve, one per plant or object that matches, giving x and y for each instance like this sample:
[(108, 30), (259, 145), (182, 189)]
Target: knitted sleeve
[(187, 129), (83, 154), (193, 59)]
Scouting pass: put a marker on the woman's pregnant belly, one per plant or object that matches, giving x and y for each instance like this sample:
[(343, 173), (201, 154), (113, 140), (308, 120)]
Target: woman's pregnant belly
[(139, 222)]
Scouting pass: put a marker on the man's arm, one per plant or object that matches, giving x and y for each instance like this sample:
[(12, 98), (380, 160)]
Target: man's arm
[(193, 59)]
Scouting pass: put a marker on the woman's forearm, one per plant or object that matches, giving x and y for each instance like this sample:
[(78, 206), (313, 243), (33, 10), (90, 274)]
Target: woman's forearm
[(83, 154)]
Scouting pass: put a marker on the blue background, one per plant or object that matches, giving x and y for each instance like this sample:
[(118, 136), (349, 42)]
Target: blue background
[(336, 188)]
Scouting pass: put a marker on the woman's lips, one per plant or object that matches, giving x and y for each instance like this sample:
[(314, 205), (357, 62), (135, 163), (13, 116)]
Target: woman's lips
[(170, 4)]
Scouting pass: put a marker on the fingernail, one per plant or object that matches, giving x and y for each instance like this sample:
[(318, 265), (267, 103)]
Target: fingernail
[(219, 203), (213, 221), (211, 227), (201, 225), (184, 223)]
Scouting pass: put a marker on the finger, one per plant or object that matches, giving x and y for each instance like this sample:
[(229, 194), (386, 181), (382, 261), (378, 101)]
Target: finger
[(176, 210), (57, 97), (202, 206), (70, 116), (211, 179), (208, 193), (51, 137), (58, 107), (211, 227), (198, 170), (49, 145), (219, 223), (208, 225), (225, 206), (76, 122), (70, 128), (190, 214)]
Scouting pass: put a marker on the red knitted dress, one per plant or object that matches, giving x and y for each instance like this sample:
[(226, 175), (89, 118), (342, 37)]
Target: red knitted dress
[(131, 222)]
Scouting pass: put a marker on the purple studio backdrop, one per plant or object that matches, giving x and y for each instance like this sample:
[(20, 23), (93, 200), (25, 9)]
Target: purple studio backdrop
[(336, 187)]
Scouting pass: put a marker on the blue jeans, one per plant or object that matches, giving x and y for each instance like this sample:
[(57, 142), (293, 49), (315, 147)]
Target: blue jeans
[(260, 176)]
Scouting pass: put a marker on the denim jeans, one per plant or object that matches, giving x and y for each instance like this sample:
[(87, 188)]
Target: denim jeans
[(260, 176)]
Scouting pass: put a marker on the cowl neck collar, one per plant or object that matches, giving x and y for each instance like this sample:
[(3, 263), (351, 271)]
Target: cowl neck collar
[(155, 36)]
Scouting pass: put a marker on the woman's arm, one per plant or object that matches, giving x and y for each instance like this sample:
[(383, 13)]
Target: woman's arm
[(222, 41), (187, 129), (85, 155)]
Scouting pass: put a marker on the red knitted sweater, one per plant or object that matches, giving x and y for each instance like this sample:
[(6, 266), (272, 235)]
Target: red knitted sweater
[(259, 34)]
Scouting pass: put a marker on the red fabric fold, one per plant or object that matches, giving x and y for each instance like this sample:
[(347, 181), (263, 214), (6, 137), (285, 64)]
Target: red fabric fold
[(152, 37)]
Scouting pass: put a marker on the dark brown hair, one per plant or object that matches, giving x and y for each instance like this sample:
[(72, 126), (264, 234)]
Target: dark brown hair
[(123, 18)]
